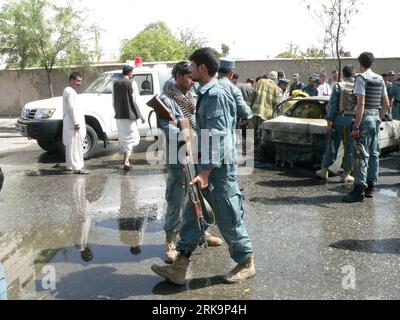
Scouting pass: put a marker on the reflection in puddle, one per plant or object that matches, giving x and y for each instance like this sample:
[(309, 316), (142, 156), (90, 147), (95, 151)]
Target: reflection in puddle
[(80, 223), (38, 173), (392, 193)]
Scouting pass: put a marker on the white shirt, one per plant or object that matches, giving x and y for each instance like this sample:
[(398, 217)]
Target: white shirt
[(324, 90), (72, 115)]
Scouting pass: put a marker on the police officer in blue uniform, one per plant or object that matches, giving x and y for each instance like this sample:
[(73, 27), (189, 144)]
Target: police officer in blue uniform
[(216, 122), (225, 75), (370, 90), (180, 100), (311, 89), (394, 95), (340, 118)]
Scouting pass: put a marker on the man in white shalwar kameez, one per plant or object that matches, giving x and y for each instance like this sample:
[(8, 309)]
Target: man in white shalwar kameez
[(74, 126)]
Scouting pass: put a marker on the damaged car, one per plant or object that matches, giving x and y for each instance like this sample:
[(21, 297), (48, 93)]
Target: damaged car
[(299, 134)]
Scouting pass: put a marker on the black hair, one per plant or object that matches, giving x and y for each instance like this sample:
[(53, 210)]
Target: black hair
[(207, 56), (250, 80), (224, 71), (182, 68), (135, 251), (366, 59), (74, 76), (87, 255), (384, 75), (126, 70), (348, 71), (236, 76)]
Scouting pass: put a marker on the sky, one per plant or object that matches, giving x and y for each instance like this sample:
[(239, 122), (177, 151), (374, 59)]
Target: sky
[(253, 29)]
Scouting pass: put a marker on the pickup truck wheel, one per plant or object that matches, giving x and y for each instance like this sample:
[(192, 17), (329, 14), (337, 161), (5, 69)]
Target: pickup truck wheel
[(90, 143), (48, 145), (89, 147)]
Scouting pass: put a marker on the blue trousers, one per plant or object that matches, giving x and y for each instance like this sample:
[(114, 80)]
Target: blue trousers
[(340, 133), (229, 218), (396, 111), (368, 169), (176, 197)]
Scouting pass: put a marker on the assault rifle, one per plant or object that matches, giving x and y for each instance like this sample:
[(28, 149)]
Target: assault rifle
[(195, 194), (361, 152)]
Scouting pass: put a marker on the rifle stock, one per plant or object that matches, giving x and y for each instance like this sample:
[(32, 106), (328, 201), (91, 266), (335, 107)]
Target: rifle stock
[(161, 110)]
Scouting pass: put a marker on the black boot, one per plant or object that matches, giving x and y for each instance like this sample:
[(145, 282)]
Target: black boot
[(369, 192), (357, 195)]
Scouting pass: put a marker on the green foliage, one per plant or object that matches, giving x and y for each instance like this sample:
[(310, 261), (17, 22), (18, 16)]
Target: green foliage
[(37, 33), (155, 43), (334, 18), (191, 41), (224, 50), (294, 52)]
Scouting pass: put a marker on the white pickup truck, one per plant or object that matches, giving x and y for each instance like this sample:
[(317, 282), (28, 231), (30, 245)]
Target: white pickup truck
[(42, 120)]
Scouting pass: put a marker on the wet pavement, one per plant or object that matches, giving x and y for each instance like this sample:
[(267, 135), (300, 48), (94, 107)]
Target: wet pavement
[(95, 237)]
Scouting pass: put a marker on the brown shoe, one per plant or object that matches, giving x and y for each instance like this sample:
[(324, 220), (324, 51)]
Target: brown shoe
[(175, 273), (241, 272), (213, 241)]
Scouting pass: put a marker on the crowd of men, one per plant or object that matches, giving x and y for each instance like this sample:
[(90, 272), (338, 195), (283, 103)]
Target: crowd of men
[(221, 104)]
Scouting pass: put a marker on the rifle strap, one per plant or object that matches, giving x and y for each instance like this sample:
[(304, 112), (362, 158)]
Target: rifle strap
[(208, 208)]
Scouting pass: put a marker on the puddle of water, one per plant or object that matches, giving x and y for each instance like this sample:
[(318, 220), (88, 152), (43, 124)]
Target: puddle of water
[(392, 193), (39, 173)]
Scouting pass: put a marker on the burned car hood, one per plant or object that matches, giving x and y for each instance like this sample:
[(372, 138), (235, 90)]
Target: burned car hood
[(295, 125)]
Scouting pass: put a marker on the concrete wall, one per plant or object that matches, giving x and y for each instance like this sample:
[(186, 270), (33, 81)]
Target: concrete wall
[(19, 87)]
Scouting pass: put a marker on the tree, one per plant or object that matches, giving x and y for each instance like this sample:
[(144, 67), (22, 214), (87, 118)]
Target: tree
[(37, 33), (334, 16), (224, 50), (191, 41), (292, 52), (155, 43)]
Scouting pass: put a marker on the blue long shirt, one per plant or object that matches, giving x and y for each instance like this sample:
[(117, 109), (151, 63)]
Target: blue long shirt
[(243, 110), (216, 120)]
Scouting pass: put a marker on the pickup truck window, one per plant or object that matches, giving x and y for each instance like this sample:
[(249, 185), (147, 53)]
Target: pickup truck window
[(163, 78), (103, 84), (145, 84)]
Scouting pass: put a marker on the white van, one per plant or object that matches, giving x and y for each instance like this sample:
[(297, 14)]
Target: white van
[(42, 120)]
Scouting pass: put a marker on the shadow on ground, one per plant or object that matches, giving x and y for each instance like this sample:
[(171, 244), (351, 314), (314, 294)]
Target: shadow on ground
[(391, 246)]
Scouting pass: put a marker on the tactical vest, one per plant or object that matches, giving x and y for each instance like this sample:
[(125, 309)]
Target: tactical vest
[(373, 93), (347, 99)]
